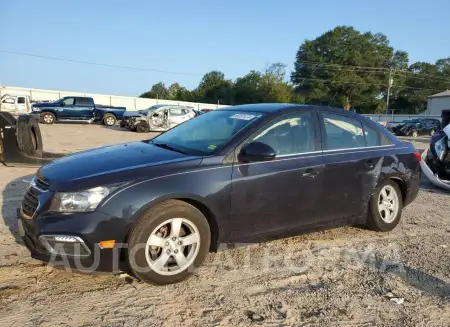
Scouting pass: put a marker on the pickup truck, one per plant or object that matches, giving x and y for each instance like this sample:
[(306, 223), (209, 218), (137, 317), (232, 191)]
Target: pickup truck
[(15, 104), (74, 108)]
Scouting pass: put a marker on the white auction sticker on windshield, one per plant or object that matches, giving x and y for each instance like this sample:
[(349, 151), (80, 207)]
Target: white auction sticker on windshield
[(243, 116)]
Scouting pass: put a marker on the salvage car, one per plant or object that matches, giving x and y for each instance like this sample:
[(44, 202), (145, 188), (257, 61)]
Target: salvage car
[(155, 208), (75, 109), (436, 159), (158, 118), (15, 104)]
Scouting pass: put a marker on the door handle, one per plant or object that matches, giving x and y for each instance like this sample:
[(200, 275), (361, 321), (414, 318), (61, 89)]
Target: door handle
[(310, 173)]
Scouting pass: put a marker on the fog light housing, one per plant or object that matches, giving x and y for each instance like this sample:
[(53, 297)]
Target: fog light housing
[(65, 245)]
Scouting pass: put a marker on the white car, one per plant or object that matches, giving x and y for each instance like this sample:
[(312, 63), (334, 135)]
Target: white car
[(158, 118), (15, 104)]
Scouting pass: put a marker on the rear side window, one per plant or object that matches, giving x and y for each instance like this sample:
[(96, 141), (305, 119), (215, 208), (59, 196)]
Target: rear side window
[(85, 102), (342, 132), (372, 136)]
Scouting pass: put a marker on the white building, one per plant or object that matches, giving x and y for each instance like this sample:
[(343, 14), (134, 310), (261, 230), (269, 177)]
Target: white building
[(437, 103)]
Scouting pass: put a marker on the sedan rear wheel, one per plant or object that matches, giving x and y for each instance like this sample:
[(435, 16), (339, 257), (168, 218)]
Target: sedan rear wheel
[(168, 242), (385, 207)]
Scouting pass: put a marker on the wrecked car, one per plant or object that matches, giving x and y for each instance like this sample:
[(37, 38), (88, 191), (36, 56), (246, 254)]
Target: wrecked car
[(435, 162), (235, 175), (158, 118)]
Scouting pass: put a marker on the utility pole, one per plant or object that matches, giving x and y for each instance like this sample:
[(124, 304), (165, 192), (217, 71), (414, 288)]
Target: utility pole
[(390, 82)]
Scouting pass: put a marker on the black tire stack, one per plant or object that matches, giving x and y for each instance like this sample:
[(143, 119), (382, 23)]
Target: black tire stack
[(29, 138)]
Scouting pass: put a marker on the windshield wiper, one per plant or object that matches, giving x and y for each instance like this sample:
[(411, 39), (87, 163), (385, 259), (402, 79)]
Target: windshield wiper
[(168, 147)]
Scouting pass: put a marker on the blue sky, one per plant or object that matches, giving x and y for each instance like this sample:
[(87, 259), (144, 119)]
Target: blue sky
[(192, 37)]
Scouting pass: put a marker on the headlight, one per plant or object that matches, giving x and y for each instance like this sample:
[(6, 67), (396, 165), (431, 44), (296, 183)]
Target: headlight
[(83, 201), (35, 109)]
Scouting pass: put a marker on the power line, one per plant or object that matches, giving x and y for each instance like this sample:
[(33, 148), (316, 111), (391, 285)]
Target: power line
[(371, 69), (97, 64), (364, 83), (365, 69)]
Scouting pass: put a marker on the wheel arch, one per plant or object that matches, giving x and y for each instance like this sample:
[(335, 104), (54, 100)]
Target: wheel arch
[(191, 199), (401, 184)]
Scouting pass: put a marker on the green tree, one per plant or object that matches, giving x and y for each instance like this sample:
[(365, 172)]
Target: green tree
[(158, 91), (214, 88), (343, 66)]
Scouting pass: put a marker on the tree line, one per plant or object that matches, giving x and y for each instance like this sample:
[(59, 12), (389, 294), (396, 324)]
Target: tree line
[(341, 68)]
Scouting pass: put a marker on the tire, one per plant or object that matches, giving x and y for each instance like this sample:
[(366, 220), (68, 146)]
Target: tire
[(376, 220), (29, 138), (150, 223), (109, 120), (48, 118), (414, 134), (122, 124), (142, 127), (432, 132)]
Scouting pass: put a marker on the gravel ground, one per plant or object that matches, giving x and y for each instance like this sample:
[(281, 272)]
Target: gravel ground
[(342, 277)]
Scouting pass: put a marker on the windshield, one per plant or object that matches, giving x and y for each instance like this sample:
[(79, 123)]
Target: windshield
[(206, 134)]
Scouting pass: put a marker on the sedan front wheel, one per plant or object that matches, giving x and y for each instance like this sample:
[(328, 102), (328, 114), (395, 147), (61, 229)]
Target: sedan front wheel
[(168, 242)]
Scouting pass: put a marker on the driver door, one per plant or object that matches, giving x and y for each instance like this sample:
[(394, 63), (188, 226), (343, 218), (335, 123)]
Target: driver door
[(282, 194)]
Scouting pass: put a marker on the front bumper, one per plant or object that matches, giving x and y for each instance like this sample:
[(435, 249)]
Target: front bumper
[(432, 177), (72, 241)]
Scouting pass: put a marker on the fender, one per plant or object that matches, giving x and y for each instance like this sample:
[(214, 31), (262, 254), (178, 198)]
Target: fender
[(130, 202)]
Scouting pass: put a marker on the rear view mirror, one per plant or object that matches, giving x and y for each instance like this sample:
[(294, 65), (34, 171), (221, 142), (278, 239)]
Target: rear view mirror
[(256, 151)]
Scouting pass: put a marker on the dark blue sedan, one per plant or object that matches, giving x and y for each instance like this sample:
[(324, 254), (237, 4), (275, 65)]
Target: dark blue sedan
[(246, 173)]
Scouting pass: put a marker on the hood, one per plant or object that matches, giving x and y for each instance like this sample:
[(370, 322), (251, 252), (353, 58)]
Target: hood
[(44, 104), (109, 164), (132, 114)]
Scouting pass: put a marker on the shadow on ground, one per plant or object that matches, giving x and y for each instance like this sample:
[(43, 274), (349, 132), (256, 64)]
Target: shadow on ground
[(12, 196)]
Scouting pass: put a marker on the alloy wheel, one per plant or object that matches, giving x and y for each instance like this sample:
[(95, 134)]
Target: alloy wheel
[(388, 204), (172, 246), (48, 119)]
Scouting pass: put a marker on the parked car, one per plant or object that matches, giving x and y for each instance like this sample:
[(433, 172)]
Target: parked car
[(15, 104), (158, 118), (239, 174), (419, 127), (76, 109), (435, 162)]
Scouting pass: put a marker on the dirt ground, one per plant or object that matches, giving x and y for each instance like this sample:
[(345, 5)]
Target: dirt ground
[(342, 277)]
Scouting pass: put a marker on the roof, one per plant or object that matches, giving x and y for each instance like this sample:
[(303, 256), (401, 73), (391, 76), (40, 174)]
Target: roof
[(440, 95), (263, 107)]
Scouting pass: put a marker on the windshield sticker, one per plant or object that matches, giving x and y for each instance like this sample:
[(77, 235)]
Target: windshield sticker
[(243, 116), (212, 147)]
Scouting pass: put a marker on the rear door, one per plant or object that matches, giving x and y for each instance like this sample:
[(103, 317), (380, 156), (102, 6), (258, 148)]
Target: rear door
[(352, 155), (83, 109), (283, 194)]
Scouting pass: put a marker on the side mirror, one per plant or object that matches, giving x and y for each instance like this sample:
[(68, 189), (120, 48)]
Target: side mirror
[(256, 151)]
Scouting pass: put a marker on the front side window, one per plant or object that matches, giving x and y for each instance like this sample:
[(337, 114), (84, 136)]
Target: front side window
[(68, 102), (20, 100), (292, 134), (342, 132), (206, 134), (8, 101)]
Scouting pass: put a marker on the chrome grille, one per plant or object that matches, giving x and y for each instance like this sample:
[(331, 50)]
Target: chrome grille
[(40, 184), (30, 203)]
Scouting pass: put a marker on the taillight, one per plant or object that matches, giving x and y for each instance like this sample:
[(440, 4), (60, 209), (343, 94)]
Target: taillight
[(417, 156)]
